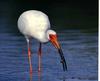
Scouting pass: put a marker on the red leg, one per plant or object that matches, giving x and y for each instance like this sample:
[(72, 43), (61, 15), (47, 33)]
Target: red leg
[(29, 58), (39, 64), (39, 54)]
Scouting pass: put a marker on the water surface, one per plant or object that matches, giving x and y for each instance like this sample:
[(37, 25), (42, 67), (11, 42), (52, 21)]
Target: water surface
[(80, 51)]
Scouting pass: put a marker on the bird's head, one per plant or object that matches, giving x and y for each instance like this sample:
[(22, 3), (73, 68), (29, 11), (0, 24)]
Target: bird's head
[(52, 36)]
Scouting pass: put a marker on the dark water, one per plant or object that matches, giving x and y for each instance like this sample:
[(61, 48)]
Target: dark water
[(80, 51)]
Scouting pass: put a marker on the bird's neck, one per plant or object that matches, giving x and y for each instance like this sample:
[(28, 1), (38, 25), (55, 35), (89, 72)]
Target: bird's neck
[(42, 37)]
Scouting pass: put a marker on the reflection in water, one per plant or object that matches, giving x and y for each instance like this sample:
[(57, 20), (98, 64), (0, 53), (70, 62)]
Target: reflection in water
[(39, 76), (80, 51)]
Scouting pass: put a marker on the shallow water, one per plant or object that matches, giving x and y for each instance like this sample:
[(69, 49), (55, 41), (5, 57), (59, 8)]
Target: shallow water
[(80, 51)]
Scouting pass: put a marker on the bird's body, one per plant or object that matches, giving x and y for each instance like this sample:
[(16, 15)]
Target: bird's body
[(36, 24)]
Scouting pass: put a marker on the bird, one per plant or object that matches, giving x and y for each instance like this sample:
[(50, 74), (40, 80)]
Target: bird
[(35, 24)]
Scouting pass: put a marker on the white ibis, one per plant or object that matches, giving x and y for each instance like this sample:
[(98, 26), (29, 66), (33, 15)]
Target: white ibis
[(36, 24)]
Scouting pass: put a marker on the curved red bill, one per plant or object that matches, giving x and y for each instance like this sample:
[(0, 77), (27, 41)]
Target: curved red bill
[(54, 41)]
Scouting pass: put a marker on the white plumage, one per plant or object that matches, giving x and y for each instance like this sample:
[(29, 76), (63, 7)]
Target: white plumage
[(35, 24)]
